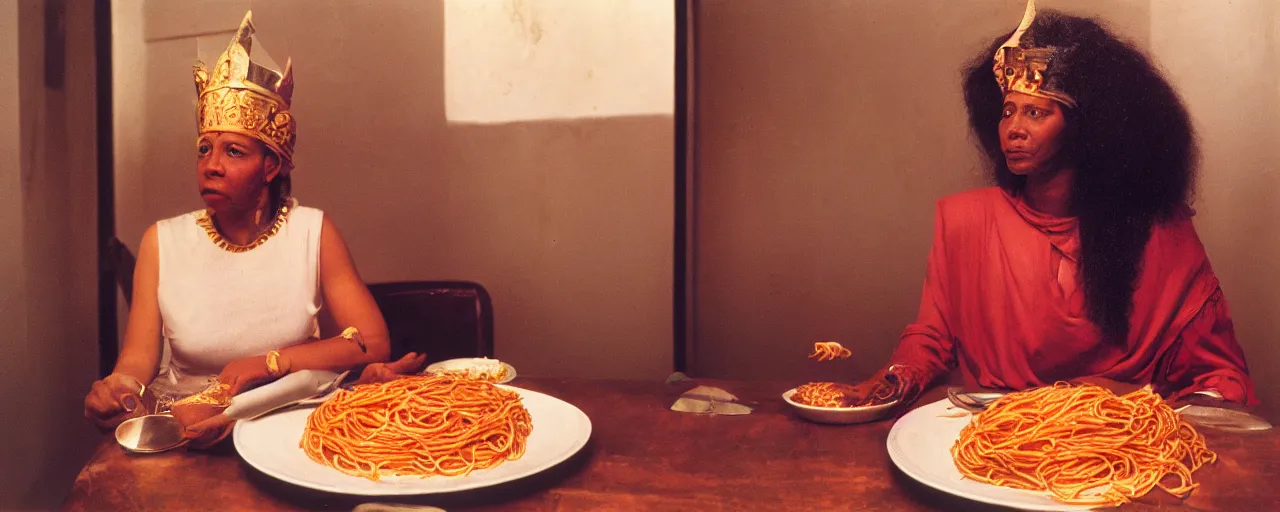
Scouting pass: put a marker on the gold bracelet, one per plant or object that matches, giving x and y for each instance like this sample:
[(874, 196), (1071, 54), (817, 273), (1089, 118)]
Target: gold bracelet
[(273, 363), (353, 334)]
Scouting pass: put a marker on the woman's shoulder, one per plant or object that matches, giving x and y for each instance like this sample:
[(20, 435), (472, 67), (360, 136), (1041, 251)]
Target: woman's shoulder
[(178, 226), (307, 223), (308, 218), (1175, 250), (974, 198), (179, 219), (307, 212), (971, 206), (1177, 232)]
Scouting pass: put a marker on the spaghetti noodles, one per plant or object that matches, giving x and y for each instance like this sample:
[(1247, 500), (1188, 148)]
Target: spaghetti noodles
[(818, 394), (418, 426), (830, 394), (1082, 444), (829, 350), (824, 394)]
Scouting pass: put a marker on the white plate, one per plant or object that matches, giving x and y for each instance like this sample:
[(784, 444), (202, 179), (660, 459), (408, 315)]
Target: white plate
[(317, 400), (920, 445), (271, 444), (838, 415), (462, 364)]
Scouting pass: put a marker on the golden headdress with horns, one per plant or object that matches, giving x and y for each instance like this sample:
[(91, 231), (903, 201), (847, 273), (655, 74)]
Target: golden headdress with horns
[(1028, 70), (244, 97)]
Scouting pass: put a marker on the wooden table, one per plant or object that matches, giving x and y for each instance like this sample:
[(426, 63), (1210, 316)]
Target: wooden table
[(642, 456)]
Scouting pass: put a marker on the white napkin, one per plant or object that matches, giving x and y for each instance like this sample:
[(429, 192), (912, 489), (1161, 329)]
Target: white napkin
[(291, 388), (709, 400)]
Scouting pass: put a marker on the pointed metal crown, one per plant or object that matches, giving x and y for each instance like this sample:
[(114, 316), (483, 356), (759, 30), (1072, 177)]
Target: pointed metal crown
[(1028, 70), (244, 97)]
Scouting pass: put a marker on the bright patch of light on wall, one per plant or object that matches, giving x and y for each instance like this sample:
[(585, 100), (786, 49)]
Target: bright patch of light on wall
[(522, 60)]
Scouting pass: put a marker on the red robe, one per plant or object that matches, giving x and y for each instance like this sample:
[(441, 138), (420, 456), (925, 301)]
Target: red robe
[(1001, 302)]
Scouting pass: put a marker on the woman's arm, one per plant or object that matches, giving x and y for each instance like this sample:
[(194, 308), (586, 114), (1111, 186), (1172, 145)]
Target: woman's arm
[(1207, 359), (140, 354), (348, 304), (925, 349), (926, 345)]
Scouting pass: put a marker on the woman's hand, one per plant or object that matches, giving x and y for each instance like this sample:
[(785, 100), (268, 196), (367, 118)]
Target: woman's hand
[(1188, 397), (208, 432), (880, 388), (896, 382), (201, 415), (245, 373), (410, 364), (1203, 400), (112, 400)]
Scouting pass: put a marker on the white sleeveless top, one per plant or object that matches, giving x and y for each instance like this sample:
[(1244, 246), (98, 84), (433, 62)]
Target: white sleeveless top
[(217, 306)]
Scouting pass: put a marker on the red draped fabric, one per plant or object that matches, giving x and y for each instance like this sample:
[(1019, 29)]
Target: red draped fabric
[(1002, 303)]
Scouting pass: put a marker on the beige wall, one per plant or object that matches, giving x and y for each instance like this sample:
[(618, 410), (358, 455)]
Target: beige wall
[(48, 304), (14, 482), (828, 129), (566, 221), (1221, 56)]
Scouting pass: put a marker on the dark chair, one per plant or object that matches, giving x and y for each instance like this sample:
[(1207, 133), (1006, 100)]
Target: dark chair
[(445, 319), (119, 261), (117, 264)]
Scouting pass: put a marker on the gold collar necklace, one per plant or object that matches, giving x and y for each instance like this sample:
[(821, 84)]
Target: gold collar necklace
[(204, 219)]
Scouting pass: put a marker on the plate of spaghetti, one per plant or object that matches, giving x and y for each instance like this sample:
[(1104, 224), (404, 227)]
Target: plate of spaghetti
[(415, 435), (821, 402), (1060, 447)]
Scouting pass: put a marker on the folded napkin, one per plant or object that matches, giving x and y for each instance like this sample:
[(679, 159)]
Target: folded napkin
[(709, 400)]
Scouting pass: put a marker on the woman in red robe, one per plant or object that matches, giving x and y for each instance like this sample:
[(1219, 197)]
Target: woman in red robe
[(1083, 262)]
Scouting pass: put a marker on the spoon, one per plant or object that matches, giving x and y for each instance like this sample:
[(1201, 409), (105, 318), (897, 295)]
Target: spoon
[(155, 433)]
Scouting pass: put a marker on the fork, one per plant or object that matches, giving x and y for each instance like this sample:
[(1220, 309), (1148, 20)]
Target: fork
[(972, 402)]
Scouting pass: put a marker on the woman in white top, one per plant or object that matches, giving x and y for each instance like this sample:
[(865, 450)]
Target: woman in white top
[(254, 286)]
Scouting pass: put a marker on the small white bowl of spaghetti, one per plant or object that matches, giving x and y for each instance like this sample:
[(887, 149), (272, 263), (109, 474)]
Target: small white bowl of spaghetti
[(837, 415), (477, 368)]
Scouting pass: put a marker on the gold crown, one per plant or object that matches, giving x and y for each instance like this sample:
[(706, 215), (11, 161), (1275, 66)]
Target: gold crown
[(1026, 70), (243, 97)]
